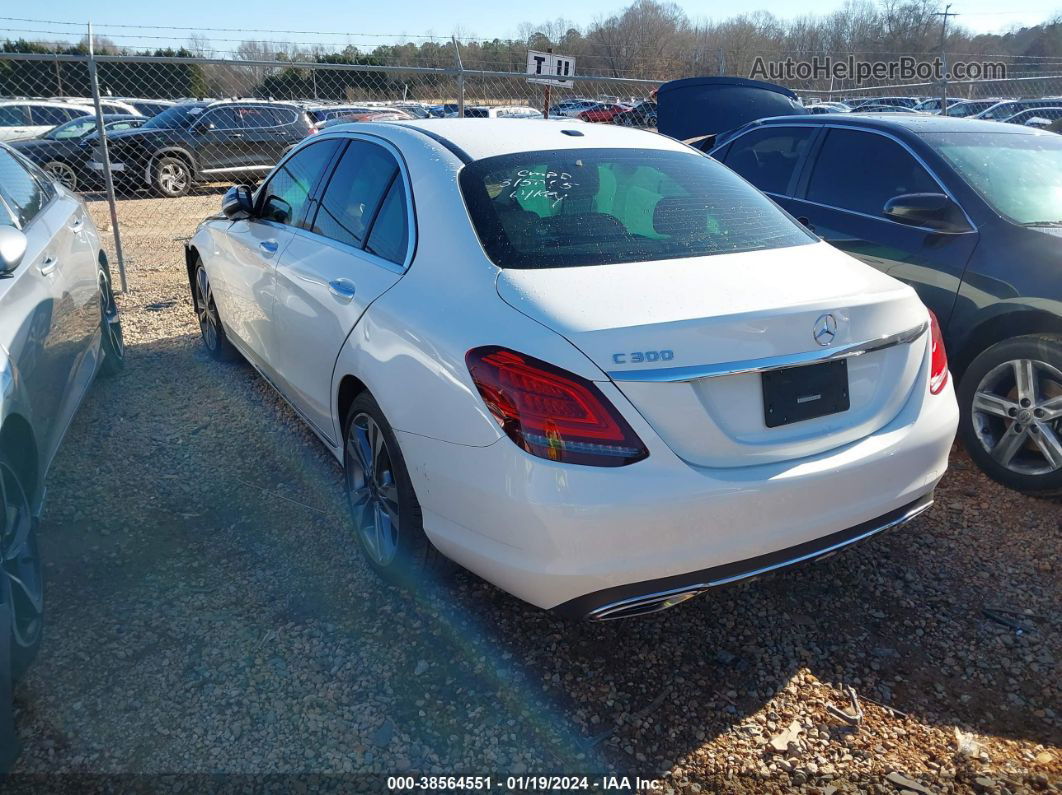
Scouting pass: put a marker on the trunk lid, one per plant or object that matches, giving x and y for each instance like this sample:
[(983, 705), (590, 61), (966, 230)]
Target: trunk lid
[(641, 322)]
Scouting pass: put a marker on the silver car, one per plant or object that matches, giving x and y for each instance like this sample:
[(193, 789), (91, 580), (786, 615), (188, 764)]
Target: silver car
[(59, 326)]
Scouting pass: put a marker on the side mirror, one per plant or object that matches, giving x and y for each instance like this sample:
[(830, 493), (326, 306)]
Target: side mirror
[(932, 210), (201, 127), (12, 248), (237, 202)]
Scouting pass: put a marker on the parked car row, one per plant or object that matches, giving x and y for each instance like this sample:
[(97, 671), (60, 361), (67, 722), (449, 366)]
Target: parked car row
[(1013, 111), (32, 117)]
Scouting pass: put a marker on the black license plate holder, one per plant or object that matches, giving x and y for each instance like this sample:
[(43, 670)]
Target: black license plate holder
[(795, 394)]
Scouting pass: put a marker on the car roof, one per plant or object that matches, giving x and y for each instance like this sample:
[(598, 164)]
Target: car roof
[(490, 137), (50, 103), (899, 122)]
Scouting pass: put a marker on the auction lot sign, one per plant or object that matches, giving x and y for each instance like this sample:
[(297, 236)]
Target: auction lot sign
[(550, 69)]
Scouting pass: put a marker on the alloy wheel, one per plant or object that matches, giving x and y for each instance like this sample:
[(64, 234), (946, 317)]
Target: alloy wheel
[(372, 489), (1017, 416), (173, 177), (64, 173), (206, 310), (23, 585)]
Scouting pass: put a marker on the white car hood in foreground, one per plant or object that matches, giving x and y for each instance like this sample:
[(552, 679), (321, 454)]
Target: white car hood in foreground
[(633, 317)]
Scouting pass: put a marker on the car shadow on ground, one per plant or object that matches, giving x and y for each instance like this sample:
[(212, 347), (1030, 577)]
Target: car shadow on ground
[(208, 611)]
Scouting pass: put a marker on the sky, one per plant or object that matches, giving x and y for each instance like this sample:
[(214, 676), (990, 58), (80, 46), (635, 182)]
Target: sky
[(365, 24)]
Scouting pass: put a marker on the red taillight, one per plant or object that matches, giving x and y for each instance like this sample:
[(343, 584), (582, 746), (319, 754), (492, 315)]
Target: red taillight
[(938, 363), (550, 412)]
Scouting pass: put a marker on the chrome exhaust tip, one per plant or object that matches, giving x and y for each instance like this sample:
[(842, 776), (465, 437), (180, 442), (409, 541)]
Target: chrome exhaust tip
[(642, 605)]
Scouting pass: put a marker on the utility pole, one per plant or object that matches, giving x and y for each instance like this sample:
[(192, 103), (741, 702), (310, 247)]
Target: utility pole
[(944, 56), (460, 78)]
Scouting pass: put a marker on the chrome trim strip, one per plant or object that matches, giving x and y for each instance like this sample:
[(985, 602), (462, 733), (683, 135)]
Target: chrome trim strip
[(744, 366), (604, 613)]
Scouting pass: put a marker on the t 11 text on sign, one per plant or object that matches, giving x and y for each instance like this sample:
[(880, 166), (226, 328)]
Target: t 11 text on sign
[(550, 69)]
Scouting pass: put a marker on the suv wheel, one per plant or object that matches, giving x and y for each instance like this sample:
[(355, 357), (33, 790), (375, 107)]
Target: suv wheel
[(1011, 402), (171, 177), (63, 173)]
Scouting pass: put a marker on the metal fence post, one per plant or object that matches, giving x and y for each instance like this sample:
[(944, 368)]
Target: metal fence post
[(460, 80), (108, 179)]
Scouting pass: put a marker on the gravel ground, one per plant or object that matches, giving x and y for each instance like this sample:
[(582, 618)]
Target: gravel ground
[(208, 612)]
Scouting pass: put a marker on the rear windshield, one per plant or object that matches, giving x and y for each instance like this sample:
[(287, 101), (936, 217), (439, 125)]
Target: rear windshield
[(572, 207)]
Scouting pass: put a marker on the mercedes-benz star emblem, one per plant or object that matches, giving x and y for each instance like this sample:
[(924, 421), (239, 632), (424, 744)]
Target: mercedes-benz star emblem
[(825, 330)]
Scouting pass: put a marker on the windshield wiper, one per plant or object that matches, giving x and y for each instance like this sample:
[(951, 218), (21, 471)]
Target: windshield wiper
[(1043, 223)]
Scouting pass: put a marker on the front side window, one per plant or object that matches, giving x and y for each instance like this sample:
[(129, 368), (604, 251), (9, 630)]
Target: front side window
[(12, 116), (842, 178), (222, 119), (285, 196), (576, 207), (1019, 175), (42, 115), (175, 117), (73, 129), (22, 193), (768, 157), (349, 203)]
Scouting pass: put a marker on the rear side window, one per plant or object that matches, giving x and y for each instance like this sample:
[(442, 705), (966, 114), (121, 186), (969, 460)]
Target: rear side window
[(288, 191), (575, 207), (22, 193), (389, 237), (841, 177), (354, 193), (768, 157)]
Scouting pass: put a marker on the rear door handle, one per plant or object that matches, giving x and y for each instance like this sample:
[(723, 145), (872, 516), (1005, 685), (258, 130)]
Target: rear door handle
[(50, 263), (269, 246), (343, 289)]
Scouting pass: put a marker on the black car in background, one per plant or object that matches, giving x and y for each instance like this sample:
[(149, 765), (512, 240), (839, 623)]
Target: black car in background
[(64, 151), (970, 214), (200, 141), (641, 115)]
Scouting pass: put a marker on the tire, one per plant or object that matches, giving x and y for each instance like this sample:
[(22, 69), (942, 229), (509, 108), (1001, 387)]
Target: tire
[(112, 345), (171, 177), (21, 578), (1010, 399), (210, 325), (64, 173), (384, 511)]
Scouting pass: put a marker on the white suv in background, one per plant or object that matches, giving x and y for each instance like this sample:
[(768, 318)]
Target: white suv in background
[(28, 118)]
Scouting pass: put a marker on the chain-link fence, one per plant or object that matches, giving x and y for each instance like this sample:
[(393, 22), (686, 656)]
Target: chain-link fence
[(177, 131)]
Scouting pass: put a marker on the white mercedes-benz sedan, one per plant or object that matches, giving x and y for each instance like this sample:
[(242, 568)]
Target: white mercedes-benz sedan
[(588, 363)]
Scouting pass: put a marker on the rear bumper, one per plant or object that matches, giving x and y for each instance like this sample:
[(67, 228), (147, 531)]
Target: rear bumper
[(582, 537), (653, 596)]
